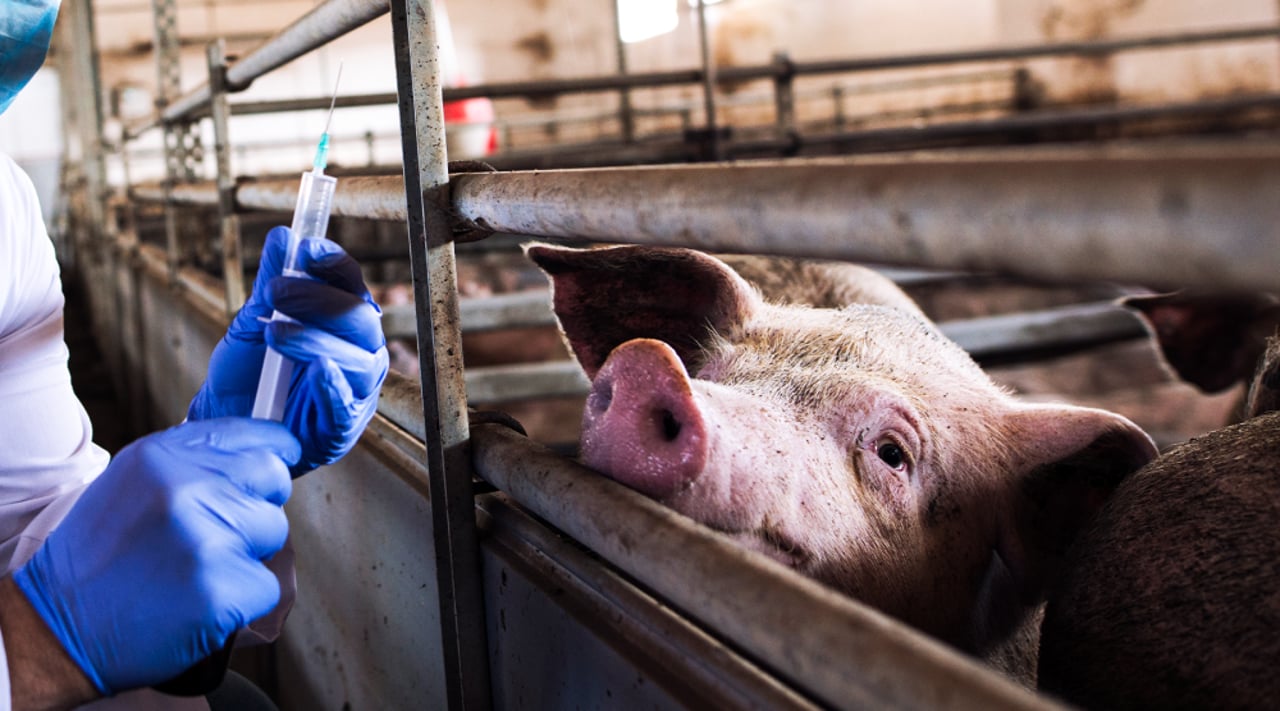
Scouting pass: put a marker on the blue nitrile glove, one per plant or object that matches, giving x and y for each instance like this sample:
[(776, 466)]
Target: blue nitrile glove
[(337, 346), (160, 559)]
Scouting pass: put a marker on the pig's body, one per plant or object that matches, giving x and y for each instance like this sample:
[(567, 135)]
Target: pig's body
[(856, 445), (1172, 597)]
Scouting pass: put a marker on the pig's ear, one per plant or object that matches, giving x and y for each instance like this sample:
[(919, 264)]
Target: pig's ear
[(608, 296), (1212, 341), (1067, 461)]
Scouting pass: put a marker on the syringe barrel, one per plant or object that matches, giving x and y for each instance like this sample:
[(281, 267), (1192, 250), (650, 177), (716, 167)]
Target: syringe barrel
[(310, 220), (310, 214)]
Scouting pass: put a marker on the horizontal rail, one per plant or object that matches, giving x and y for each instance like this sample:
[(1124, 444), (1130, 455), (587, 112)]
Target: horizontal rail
[(494, 384), (552, 87), (324, 23), (648, 634), (337, 17), (1192, 215), (895, 137), (1174, 215), (1029, 51), (846, 654), (1059, 329)]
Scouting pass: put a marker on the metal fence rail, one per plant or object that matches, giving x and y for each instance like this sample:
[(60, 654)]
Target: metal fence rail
[(797, 625), (326, 22), (1190, 215), (1162, 216)]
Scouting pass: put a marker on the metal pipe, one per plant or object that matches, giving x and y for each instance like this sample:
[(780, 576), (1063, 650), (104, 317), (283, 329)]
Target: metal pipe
[(324, 23), (625, 115), (1028, 51), (844, 653), (1009, 336), (708, 85), (1177, 216), (316, 103), (164, 18), (784, 97), (520, 309), (648, 634), (768, 71), (526, 381), (1073, 213), (894, 138), (459, 593), (228, 220)]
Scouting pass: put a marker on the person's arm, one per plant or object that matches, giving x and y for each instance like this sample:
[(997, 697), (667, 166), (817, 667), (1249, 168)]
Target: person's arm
[(157, 563), (41, 674)]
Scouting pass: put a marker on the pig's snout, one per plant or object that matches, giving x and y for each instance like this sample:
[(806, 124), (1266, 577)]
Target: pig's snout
[(642, 426)]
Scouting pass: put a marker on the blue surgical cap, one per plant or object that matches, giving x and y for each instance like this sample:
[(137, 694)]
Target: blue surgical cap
[(26, 27)]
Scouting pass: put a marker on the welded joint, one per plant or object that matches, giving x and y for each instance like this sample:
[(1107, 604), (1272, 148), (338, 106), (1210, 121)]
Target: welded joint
[(440, 198)]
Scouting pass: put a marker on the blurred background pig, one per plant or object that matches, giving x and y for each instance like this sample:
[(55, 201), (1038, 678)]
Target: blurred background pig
[(1171, 597), (856, 445)]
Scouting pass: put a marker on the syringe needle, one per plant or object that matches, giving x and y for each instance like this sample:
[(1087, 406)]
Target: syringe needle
[(334, 101)]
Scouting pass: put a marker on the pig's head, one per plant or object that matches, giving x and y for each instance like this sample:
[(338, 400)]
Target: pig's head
[(856, 445), (1215, 341)]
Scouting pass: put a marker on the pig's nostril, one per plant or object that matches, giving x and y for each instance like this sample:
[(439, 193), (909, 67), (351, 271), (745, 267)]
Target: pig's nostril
[(670, 426), (601, 396)]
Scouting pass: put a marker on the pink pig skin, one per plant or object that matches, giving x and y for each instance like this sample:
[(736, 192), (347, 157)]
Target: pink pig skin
[(856, 445)]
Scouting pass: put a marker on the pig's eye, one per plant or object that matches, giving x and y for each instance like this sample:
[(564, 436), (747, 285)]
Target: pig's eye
[(890, 453)]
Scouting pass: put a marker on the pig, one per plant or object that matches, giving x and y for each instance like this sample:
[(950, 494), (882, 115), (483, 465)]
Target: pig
[(856, 445), (1213, 341), (1172, 598)]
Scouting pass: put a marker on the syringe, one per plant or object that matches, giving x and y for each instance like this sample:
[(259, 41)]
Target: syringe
[(310, 220)]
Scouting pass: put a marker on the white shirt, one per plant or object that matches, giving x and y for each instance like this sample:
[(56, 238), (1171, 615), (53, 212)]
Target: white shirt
[(47, 454)]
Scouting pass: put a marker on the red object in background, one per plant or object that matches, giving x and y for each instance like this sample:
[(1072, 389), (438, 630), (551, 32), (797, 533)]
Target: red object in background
[(477, 110)]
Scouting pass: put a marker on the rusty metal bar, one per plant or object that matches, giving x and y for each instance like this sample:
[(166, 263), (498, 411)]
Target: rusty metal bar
[(526, 381), (1207, 210), (1177, 216), (708, 86), (1030, 51), (647, 633), (324, 23), (1007, 336), (898, 137), (228, 220), (842, 652), (459, 592), (625, 115), (517, 309), (278, 51), (553, 87)]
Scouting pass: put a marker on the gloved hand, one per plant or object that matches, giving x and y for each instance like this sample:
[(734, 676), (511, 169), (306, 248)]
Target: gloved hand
[(160, 559), (337, 346)]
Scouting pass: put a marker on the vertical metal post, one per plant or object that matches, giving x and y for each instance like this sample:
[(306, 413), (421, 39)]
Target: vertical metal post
[(426, 177), (625, 114), (708, 85), (220, 111), (784, 95), (837, 98), (181, 143), (100, 271)]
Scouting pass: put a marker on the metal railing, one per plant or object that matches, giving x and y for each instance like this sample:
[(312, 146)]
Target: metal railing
[(1065, 214)]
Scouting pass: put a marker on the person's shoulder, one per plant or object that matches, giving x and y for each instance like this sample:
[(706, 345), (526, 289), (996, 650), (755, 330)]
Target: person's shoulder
[(13, 179)]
